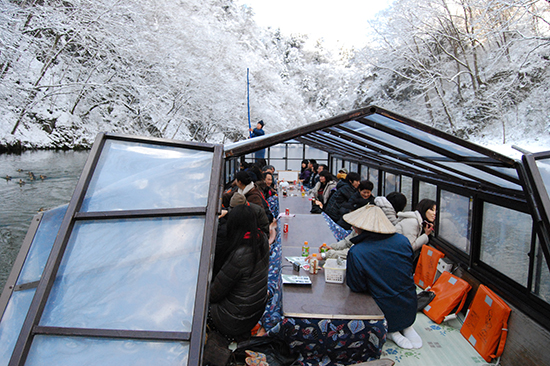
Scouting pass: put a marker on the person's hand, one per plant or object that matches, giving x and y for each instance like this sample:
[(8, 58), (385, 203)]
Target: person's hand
[(428, 229), (224, 212), (318, 203)]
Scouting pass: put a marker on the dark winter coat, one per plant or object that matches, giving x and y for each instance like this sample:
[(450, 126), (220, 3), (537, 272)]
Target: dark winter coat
[(344, 191), (355, 202), (238, 294), (382, 265)]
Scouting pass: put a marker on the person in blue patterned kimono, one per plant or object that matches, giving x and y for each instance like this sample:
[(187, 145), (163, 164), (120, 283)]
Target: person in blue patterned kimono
[(380, 263)]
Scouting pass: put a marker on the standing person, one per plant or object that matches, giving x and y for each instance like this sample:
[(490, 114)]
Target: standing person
[(380, 262), (418, 225), (238, 294), (257, 132)]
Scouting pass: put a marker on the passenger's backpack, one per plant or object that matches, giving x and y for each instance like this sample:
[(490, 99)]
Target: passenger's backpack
[(486, 323), (450, 296)]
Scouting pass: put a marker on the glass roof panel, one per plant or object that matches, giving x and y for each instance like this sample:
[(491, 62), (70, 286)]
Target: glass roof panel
[(446, 171), (421, 135), (161, 176), (70, 351), (111, 268), (544, 169), (42, 244), (482, 175), (12, 321), (391, 140)]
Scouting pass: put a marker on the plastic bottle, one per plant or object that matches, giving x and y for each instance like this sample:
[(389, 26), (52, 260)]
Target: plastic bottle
[(305, 249), (323, 248), (303, 191), (314, 264)]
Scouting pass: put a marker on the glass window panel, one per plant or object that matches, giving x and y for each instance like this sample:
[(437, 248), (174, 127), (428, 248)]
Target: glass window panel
[(541, 275), (364, 172), (70, 351), (427, 190), (313, 153), (391, 183), (112, 267), (42, 244), (295, 151), (354, 167), (278, 164), (407, 189), (347, 165), (373, 177), (161, 176), (544, 169), (454, 220), (294, 165), (506, 240), (336, 166), (277, 151), (12, 321)]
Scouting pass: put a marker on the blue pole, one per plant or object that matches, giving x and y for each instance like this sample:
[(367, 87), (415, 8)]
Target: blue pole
[(248, 101)]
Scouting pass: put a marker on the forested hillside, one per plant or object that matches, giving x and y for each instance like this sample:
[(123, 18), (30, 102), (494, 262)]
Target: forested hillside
[(178, 69)]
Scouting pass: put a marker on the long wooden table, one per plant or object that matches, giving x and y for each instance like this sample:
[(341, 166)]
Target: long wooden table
[(320, 300)]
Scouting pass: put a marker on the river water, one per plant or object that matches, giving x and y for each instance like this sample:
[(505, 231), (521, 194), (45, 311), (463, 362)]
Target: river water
[(19, 202)]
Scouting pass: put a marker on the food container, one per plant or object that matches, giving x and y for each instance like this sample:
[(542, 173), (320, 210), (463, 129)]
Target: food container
[(334, 272)]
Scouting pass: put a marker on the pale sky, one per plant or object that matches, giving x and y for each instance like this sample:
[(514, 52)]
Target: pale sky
[(337, 22)]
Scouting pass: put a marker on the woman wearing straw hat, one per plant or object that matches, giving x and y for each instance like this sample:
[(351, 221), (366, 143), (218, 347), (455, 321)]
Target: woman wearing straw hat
[(380, 262)]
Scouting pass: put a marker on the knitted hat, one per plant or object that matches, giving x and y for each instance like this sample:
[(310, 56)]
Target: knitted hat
[(261, 122), (237, 199), (370, 218)]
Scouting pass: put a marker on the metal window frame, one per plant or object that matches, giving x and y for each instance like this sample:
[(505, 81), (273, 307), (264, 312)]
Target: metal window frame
[(195, 338)]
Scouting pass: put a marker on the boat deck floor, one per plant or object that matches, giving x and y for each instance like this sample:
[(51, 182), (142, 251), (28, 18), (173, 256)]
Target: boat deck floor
[(443, 345)]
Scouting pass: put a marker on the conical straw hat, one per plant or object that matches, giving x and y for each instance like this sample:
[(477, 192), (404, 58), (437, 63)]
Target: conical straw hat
[(370, 218)]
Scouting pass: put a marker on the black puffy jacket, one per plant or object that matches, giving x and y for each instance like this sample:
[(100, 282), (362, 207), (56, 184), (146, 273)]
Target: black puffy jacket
[(344, 191), (356, 201), (238, 295)]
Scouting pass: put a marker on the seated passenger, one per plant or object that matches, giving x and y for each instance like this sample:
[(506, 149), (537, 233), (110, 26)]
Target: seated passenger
[(238, 294), (324, 188), (417, 225), (344, 190), (304, 172), (266, 185), (392, 204), (362, 197), (380, 263)]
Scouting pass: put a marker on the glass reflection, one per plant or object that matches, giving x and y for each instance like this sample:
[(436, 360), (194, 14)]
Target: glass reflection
[(544, 169), (506, 241), (70, 351), (161, 176), (541, 275), (42, 244), (407, 189), (12, 321), (427, 190), (135, 274), (390, 183), (454, 220)]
